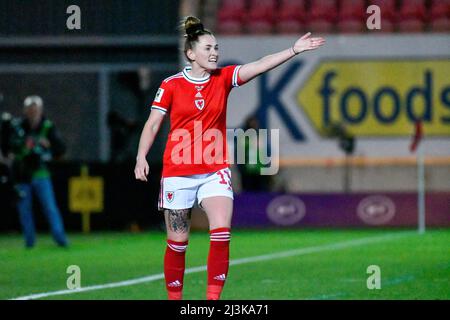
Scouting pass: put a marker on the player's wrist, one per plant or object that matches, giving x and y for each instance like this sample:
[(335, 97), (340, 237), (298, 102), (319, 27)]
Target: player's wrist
[(140, 157), (293, 51)]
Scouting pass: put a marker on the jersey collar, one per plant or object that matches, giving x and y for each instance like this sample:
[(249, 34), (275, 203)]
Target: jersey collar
[(193, 79)]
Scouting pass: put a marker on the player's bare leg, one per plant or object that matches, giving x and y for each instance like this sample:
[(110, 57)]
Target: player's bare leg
[(219, 211), (178, 222)]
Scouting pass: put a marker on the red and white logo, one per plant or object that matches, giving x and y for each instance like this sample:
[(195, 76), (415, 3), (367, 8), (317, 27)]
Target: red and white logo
[(220, 277), (170, 195), (175, 283), (200, 104)]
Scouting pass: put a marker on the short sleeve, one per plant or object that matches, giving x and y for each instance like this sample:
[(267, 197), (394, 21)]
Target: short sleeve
[(231, 75), (163, 98)]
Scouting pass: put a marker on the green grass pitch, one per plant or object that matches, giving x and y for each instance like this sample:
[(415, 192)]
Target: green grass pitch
[(328, 264)]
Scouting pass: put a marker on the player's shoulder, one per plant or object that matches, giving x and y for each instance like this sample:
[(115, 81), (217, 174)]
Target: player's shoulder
[(224, 69), (173, 78)]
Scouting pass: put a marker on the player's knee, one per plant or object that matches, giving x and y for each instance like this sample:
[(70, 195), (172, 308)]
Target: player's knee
[(178, 237)]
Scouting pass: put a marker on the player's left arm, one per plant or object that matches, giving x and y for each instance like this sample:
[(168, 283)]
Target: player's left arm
[(253, 69)]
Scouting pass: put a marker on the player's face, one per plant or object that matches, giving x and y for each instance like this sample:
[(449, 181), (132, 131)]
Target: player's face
[(206, 52)]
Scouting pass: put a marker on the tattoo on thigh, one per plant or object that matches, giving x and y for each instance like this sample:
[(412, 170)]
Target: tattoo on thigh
[(179, 220)]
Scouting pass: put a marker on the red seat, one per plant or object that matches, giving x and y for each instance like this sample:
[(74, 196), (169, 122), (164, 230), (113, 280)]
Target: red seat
[(352, 9), (261, 16), (230, 16), (323, 10), (231, 10), (387, 9), (290, 17), (351, 18), (411, 25), (230, 27), (387, 26), (261, 10), (259, 27), (351, 26), (440, 25), (290, 26), (291, 10), (322, 16), (412, 10), (320, 26), (439, 9)]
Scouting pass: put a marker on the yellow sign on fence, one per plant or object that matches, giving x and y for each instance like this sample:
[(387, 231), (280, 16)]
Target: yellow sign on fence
[(86, 196)]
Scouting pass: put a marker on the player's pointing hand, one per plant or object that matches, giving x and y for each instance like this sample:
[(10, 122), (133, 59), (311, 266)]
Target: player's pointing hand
[(306, 43)]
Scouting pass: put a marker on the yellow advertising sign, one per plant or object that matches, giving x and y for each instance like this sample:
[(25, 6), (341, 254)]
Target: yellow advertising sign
[(85, 196), (379, 98)]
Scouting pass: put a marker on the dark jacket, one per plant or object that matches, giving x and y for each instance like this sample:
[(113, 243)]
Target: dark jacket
[(30, 156)]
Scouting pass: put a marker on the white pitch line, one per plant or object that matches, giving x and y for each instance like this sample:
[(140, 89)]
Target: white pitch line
[(272, 256)]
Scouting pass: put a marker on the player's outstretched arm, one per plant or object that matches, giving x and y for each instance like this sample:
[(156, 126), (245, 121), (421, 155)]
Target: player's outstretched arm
[(148, 135), (250, 70)]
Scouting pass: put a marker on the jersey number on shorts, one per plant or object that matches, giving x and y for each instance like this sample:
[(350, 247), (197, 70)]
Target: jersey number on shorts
[(222, 177)]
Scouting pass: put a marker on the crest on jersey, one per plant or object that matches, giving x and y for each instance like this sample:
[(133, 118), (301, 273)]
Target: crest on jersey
[(200, 104), (170, 196)]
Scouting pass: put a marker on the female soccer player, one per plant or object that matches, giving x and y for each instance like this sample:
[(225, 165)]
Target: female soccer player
[(195, 165)]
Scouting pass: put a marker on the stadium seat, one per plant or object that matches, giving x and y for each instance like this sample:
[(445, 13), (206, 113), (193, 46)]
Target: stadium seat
[(290, 16), (231, 10), (323, 10), (352, 9), (321, 26), (440, 25), (261, 10), (412, 10), (351, 18), (230, 17), (411, 25), (351, 26), (322, 16), (388, 13), (412, 16), (387, 26), (259, 27), (230, 27), (261, 16), (439, 9), (290, 27), (292, 10)]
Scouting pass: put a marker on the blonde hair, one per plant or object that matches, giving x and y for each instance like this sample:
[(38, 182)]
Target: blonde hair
[(193, 29)]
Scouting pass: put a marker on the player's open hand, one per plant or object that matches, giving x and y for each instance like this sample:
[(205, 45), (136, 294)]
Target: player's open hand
[(141, 170), (306, 43)]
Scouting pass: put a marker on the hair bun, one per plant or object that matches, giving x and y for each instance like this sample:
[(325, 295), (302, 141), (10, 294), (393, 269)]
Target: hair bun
[(192, 25), (194, 28)]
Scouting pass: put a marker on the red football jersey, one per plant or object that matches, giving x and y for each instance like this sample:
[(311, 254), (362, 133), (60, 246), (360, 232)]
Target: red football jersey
[(197, 108)]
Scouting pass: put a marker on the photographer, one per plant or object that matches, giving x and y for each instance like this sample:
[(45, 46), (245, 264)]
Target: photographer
[(33, 142)]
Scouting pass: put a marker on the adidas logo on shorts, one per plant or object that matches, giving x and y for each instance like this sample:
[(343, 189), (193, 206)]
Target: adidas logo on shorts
[(221, 277), (176, 283)]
